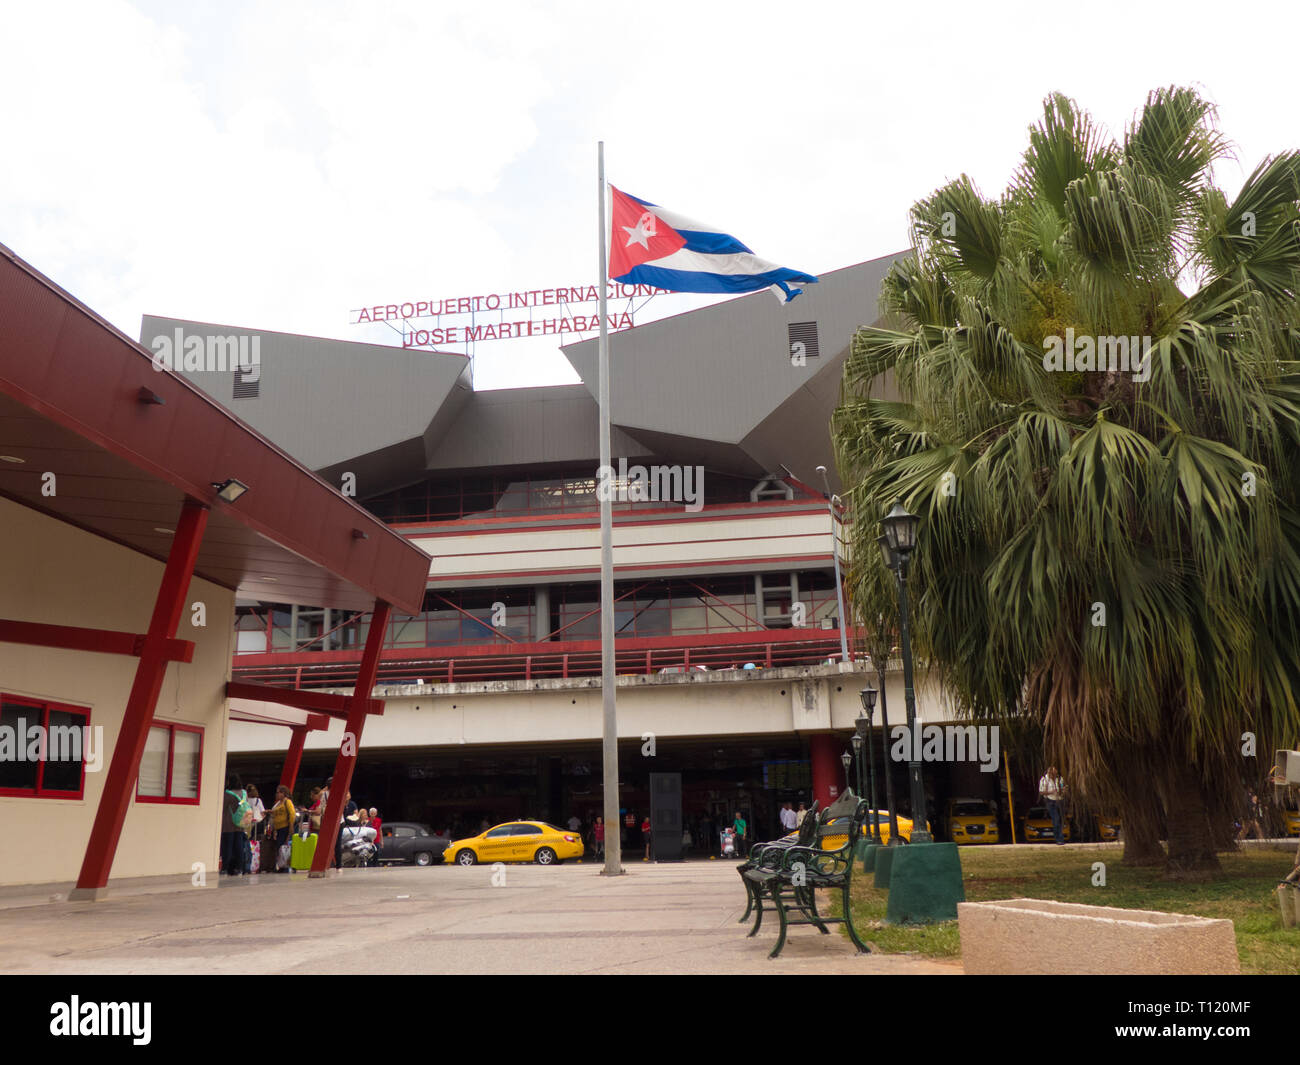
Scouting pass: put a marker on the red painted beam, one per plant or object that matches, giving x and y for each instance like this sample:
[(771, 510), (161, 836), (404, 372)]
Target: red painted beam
[(301, 699), (313, 722), (140, 704), (100, 641), (292, 760), (347, 759)]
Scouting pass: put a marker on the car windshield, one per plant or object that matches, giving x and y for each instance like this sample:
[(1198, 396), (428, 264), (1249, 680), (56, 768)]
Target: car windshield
[(1036, 812), (970, 809)]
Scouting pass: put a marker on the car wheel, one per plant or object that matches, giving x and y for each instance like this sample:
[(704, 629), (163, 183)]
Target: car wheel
[(466, 858), (424, 858), (545, 856)]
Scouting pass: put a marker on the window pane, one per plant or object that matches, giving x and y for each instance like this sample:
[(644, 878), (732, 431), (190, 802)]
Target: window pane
[(64, 754), (153, 766), (185, 764), (16, 721)]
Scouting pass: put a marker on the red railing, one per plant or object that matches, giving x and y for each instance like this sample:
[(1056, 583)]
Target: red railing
[(764, 649)]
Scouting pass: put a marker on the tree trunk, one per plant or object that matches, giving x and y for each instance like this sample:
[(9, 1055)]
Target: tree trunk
[(1140, 827), (1191, 845), (1141, 813)]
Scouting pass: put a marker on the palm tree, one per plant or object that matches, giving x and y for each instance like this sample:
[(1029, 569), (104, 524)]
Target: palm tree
[(1114, 553)]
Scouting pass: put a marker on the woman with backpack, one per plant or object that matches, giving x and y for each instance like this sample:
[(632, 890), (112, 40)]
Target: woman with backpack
[(234, 811)]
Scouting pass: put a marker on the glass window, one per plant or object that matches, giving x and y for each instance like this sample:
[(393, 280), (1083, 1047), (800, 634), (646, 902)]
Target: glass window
[(153, 766), (18, 771), (42, 748), (186, 748), (171, 766), (404, 832), (502, 830)]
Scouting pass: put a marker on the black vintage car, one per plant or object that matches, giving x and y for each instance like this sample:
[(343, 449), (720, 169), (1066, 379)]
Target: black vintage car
[(407, 841)]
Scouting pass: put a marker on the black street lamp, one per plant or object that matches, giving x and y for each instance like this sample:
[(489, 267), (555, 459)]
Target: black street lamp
[(865, 726), (846, 760), (857, 761), (898, 542)]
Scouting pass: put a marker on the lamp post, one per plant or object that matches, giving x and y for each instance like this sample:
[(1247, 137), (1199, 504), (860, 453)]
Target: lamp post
[(894, 841), (865, 726), (835, 552), (846, 760), (857, 761), (900, 538)]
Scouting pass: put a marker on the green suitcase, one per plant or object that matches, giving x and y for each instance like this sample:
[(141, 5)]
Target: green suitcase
[(302, 852)]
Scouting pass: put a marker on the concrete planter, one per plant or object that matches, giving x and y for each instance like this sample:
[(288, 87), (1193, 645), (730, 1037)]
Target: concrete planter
[(1040, 938)]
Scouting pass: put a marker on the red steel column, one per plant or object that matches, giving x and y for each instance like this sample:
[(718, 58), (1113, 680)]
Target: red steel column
[(343, 766), (149, 673), (292, 760), (827, 770)]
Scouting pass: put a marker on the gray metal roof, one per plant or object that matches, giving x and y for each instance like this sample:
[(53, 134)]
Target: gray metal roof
[(714, 387)]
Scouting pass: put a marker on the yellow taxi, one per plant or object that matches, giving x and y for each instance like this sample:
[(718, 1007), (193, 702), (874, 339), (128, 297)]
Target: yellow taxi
[(831, 843), (1038, 826), (1107, 828), (972, 821), (1290, 821), (516, 841)]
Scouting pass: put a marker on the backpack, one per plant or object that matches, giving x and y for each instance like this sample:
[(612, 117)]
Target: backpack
[(242, 815)]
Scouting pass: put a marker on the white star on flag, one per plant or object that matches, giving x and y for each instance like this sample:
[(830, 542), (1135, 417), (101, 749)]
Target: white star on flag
[(641, 232)]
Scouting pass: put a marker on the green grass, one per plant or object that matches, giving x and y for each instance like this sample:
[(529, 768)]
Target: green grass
[(1243, 894)]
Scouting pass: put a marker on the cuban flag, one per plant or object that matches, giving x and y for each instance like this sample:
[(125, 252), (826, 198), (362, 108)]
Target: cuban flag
[(651, 246)]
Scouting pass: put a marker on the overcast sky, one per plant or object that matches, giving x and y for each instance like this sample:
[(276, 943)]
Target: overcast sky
[(278, 165)]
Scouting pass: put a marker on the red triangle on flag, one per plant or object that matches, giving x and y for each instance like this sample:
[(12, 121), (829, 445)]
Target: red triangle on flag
[(637, 234)]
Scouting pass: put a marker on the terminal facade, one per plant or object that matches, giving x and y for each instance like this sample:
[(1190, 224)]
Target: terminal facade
[(728, 621)]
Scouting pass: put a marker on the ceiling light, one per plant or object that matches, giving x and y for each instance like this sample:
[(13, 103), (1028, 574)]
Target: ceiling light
[(11, 458), (159, 528)]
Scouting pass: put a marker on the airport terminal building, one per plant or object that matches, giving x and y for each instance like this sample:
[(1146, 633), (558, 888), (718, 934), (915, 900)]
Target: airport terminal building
[(728, 628)]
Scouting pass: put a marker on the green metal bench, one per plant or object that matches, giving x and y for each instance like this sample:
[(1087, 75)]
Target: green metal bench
[(767, 855), (791, 877)]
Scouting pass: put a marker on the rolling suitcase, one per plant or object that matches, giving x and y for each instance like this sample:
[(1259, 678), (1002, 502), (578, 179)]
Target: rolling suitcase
[(303, 850), (256, 865)]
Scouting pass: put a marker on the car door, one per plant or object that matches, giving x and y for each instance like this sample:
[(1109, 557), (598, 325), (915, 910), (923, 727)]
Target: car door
[(525, 842), (398, 845), (496, 844)]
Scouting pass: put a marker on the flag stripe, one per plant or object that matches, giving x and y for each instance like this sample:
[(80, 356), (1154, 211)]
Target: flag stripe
[(705, 281), (684, 261), (700, 236)]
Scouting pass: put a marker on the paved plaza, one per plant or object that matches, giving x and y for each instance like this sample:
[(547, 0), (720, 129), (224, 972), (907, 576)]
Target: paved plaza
[(671, 918)]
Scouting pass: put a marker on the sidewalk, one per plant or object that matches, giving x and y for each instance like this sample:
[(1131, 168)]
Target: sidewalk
[(671, 918)]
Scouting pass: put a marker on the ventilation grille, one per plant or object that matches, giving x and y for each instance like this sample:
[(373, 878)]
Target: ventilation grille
[(803, 341), (246, 387)]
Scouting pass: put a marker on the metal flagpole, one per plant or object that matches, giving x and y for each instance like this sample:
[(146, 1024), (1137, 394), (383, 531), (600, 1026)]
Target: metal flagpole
[(613, 826)]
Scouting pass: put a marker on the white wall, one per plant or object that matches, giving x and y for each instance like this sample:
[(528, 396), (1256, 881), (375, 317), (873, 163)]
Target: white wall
[(55, 574)]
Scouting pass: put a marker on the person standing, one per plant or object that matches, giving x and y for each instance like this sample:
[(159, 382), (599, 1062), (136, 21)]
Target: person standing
[(1052, 789), (377, 823), (800, 814), (598, 836), (574, 823), (740, 827), (645, 835), (232, 836), (282, 817), (259, 811)]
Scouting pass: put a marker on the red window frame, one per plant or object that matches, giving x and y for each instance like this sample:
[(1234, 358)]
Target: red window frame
[(167, 798), (45, 706)]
